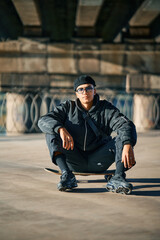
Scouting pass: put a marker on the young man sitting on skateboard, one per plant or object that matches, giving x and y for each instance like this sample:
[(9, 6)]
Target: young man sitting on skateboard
[(78, 137)]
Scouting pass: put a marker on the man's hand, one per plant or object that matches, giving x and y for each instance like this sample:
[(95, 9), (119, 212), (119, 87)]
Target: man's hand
[(67, 139), (128, 156)]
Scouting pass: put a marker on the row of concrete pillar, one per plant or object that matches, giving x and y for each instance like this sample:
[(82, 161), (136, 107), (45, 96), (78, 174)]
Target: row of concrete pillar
[(24, 110)]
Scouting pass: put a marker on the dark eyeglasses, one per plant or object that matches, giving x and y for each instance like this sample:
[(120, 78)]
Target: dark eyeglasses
[(87, 89)]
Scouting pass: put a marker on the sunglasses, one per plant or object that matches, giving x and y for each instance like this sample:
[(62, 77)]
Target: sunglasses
[(87, 89)]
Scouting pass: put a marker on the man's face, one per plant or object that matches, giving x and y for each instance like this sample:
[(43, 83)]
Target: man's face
[(85, 93)]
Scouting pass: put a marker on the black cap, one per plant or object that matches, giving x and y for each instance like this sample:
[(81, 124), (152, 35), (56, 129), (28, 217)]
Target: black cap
[(83, 79)]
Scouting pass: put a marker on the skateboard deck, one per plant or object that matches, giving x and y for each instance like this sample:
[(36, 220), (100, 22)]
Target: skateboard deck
[(107, 172)]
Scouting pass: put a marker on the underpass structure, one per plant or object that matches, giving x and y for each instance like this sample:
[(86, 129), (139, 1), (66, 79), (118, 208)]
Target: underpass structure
[(45, 45)]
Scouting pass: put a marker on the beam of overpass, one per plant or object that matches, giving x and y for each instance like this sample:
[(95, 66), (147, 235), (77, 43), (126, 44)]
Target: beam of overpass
[(140, 23), (87, 12), (147, 12), (86, 17), (29, 16)]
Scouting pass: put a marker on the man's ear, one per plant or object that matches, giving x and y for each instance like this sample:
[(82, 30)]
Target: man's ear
[(94, 91)]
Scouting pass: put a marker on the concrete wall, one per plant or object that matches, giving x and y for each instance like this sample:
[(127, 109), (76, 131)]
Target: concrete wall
[(31, 63)]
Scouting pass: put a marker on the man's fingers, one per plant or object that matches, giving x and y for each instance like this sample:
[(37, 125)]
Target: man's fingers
[(125, 161), (129, 162), (64, 143), (68, 143), (67, 140), (128, 156), (133, 162), (131, 159), (72, 145)]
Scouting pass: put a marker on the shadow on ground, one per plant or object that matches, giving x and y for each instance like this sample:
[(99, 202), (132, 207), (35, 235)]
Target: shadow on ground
[(152, 183), (88, 190)]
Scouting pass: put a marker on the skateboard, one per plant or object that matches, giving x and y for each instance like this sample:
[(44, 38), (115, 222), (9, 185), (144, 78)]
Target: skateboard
[(107, 174)]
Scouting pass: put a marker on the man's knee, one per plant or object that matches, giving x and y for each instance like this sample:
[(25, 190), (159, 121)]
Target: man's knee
[(51, 137), (118, 142)]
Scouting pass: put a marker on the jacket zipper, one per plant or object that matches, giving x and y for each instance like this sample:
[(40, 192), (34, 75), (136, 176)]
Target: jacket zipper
[(85, 137)]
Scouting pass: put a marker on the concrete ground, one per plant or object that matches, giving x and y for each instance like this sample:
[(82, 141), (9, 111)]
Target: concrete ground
[(33, 209)]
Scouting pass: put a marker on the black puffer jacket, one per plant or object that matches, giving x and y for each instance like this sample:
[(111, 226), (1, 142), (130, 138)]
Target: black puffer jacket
[(105, 116)]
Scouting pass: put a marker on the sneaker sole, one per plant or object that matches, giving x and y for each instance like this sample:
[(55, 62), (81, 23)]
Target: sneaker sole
[(120, 189), (63, 189)]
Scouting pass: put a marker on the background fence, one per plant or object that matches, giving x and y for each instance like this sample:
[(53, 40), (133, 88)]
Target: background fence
[(21, 109)]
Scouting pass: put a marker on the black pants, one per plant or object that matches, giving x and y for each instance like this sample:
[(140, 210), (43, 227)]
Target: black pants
[(97, 160)]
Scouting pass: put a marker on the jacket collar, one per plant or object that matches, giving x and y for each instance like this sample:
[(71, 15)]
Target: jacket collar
[(94, 106)]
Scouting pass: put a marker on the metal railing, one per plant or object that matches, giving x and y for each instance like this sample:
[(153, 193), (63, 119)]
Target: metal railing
[(20, 110)]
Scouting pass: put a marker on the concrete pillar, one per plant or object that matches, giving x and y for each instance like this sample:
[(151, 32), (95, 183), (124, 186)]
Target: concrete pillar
[(15, 113), (146, 112), (23, 112), (2, 112)]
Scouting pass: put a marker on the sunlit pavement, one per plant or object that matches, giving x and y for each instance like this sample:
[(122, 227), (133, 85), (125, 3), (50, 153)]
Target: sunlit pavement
[(31, 207)]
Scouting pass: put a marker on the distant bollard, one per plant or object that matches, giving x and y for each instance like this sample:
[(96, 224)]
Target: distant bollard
[(2, 113), (146, 112), (22, 113), (15, 113)]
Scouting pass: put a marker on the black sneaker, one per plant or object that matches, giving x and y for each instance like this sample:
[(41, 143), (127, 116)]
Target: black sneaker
[(67, 181), (118, 184)]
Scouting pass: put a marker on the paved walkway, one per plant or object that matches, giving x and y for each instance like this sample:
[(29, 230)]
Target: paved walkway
[(33, 209)]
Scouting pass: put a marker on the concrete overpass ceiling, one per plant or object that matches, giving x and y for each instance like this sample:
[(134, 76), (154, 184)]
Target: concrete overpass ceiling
[(147, 12), (86, 17), (28, 13), (87, 12), (114, 16), (66, 20), (142, 23)]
